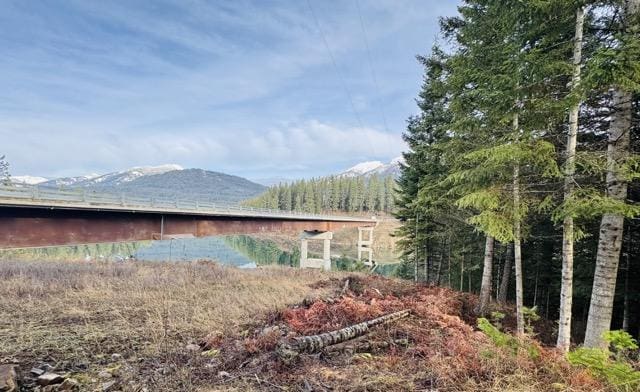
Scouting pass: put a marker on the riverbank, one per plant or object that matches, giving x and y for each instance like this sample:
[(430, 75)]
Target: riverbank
[(201, 326)]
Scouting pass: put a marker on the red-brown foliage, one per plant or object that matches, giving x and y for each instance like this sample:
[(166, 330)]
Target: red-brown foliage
[(433, 348)]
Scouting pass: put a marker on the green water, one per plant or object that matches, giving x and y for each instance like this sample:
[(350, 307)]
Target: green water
[(242, 251)]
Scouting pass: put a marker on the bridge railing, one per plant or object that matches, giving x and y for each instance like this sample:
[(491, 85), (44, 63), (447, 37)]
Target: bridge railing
[(89, 198)]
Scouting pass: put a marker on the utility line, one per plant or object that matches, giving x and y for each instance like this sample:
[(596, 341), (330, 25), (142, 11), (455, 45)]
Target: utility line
[(373, 72), (335, 65)]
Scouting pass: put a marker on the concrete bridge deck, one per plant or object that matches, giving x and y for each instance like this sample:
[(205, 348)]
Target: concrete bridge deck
[(37, 216)]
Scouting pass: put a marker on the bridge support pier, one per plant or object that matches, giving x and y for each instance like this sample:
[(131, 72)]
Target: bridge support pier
[(365, 245), (325, 261)]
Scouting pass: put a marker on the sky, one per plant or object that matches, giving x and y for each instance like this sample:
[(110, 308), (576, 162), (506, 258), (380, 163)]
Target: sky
[(261, 89)]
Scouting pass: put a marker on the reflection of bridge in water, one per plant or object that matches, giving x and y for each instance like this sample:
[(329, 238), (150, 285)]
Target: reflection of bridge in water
[(36, 216), (218, 249)]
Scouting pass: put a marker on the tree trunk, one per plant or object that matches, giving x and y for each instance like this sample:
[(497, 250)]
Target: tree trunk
[(497, 276), (612, 225), (517, 234), (415, 277), (535, 285), (485, 288), (427, 256), (449, 264), (625, 315), (566, 290), (439, 270), (517, 250), (506, 275), (314, 343), (462, 270)]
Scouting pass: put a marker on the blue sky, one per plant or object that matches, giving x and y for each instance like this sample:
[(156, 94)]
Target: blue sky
[(243, 87)]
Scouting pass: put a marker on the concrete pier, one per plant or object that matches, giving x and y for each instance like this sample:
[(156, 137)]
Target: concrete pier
[(365, 244), (325, 261)]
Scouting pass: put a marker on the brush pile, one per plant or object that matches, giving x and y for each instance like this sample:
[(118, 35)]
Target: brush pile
[(424, 338)]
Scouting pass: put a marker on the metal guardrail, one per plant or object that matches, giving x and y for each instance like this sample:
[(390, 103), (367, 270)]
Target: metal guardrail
[(33, 194)]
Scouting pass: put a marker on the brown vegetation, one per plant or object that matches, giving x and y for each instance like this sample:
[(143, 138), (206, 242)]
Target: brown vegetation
[(75, 316), (433, 349)]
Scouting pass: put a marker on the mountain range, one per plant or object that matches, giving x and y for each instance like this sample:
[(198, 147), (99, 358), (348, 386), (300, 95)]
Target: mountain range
[(170, 181), (165, 181)]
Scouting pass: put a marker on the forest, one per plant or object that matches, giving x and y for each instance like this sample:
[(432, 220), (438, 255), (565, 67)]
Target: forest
[(334, 193), (522, 178)]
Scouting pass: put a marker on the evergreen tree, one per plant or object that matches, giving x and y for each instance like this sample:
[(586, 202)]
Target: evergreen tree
[(356, 194), (509, 87), (623, 64)]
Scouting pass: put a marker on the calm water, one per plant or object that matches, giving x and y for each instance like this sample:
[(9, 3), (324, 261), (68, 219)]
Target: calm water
[(240, 251), (191, 249)]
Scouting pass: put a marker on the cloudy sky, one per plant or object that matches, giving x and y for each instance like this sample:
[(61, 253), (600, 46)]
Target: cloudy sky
[(257, 88)]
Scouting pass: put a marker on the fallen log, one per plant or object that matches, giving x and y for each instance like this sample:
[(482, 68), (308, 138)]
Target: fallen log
[(355, 346), (314, 343)]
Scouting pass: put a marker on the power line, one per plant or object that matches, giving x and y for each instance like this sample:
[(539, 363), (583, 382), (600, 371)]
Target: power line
[(335, 65), (373, 72)]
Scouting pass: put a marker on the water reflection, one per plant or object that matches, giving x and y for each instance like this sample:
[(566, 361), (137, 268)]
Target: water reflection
[(242, 251), (191, 249)]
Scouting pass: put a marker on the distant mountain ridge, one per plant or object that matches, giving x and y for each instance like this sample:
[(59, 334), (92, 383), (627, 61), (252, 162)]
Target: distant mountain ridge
[(165, 181), (28, 180), (371, 168), (115, 178)]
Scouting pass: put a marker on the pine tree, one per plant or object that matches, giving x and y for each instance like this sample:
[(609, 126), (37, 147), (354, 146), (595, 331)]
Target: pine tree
[(625, 81), (330, 194), (501, 99)]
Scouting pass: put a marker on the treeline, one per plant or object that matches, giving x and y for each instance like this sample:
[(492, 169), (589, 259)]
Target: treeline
[(348, 194), (522, 178)]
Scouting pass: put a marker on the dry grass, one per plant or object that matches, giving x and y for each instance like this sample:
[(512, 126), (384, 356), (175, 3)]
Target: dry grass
[(433, 349), (76, 315)]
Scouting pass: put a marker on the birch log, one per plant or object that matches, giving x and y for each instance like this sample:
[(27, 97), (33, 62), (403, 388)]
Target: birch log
[(314, 343)]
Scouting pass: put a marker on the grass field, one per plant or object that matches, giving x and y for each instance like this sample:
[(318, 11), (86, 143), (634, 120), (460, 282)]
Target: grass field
[(204, 327), (76, 315)]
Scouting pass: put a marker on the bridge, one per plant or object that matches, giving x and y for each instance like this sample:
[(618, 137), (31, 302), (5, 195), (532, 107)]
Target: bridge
[(32, 216)]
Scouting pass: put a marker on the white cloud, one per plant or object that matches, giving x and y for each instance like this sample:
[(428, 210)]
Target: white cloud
[(312, 144), (243, 86)]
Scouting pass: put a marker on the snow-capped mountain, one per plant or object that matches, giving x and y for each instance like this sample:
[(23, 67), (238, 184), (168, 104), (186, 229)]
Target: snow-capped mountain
[(112, 179), (27, 180), (165, 181), (129, 175), (362, 169), (68, 181), (374, 168)]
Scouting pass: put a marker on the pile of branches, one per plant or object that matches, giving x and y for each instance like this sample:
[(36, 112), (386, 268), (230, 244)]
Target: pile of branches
[(372, 334)]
